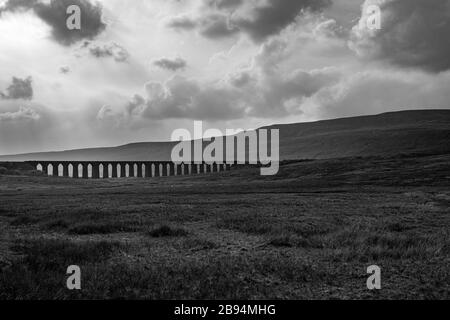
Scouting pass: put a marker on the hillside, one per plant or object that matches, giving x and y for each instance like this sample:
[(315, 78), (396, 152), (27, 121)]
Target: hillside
[(385, 134), (406, 132)]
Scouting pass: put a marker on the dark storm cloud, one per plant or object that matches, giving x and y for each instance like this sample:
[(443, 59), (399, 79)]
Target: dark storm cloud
[(54, 14), (14, 5), (213, 26), (275, 15), (171, 64), (225, 18), (414, 33), (115, 51), (217, 26), (19, 89)]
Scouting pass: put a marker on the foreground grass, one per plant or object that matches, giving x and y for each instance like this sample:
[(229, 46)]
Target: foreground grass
[(40, 271), (309, 233), (39, 274)]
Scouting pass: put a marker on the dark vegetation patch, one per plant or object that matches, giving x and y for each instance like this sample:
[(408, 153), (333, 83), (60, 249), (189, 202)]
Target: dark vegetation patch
[(24, 220), (166, 231), (8, 172), (52, 254), (16, 169), (105, 219), (291, 240), (397, 227), (57, 225), (227, 277), (101, 228), (78, 222)]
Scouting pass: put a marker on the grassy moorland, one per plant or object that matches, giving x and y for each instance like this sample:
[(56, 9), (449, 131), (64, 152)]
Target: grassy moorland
[(309, 232)]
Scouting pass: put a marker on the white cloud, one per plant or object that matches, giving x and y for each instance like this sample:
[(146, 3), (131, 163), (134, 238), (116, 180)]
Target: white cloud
[(24, 113)]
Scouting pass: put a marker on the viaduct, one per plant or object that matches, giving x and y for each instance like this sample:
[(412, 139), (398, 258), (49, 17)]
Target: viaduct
[(122, 169)]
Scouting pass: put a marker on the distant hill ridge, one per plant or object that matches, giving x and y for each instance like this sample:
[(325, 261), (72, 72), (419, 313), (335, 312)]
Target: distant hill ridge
[(392, 133)]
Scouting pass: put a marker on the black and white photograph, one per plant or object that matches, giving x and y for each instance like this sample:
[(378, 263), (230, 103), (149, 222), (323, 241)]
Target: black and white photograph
[(244, 152)]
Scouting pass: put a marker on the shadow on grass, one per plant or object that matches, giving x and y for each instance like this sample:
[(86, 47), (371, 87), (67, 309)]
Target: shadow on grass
[(166, 231)]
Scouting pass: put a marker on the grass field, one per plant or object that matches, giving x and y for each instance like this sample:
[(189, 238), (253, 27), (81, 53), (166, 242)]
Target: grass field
[(308, 233)]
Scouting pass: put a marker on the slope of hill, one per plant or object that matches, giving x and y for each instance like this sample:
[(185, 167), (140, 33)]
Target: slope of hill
[(422, 132), (394, 133), (135, 151)]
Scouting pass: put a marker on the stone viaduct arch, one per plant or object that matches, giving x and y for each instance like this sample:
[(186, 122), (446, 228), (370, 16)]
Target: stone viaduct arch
[(124, 169)]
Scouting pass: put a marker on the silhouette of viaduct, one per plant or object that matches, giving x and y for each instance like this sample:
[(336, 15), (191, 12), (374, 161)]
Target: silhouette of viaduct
[(122, 169)]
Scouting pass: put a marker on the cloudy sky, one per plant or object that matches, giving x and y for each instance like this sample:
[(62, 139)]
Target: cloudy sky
[(138, 69)]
